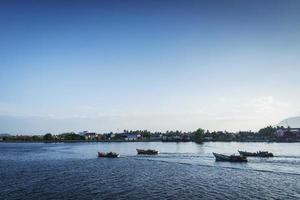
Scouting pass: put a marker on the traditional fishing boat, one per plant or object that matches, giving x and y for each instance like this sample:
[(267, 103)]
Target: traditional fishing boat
[(147, 151), (230, 158), (256, 154), (108, 155)]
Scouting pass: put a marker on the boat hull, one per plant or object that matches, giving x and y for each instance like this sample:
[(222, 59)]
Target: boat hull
[(231, 158), (147, 152), (108, 155)]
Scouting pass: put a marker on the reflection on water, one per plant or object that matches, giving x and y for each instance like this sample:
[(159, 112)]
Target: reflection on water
[(25, 167)]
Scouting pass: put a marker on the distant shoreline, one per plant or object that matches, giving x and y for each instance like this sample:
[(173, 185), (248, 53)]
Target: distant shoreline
[(133, 141), (76, 141), (268, 134)]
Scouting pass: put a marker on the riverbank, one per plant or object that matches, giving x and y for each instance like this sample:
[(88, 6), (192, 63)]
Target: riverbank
[(75, 141), (267, 134), (133, 141)]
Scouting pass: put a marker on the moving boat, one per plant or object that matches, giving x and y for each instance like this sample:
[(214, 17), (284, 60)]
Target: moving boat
[(108, 155), (147, 152), (231, 158), (256, 154)]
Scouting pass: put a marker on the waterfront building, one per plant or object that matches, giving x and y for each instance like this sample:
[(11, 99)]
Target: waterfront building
[(131, 137)]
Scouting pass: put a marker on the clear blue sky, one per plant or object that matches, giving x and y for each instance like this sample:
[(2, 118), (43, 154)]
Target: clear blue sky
[(157, 65)]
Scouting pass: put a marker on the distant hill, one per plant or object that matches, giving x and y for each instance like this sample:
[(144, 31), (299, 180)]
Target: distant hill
[(293, 122)]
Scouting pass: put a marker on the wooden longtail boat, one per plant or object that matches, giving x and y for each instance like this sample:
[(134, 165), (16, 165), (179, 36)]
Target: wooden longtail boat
[(108, 155), (231, 158), (147, 152)]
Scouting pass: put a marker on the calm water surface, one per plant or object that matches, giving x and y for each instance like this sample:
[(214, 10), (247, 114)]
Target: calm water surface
[(181, 170)]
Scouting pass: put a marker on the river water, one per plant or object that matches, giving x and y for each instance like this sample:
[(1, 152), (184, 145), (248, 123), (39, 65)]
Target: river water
[(180, 171)]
